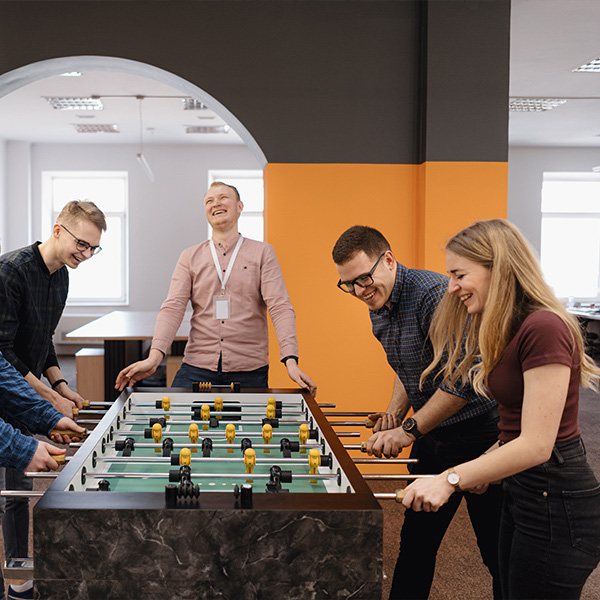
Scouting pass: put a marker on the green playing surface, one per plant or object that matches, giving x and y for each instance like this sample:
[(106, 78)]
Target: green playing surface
[(204, 470)]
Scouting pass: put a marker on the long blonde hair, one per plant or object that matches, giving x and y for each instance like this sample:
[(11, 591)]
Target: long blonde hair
[(474, 344)]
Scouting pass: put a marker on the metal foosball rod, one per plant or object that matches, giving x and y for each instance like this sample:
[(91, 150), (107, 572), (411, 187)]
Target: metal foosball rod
[(228, 403), (89, 403), (200, 459), (346, 414), (20, 494), (187, 413), (368, 423), (400, 476), (388, 461), (190, 421), (398, 495), (120, 435), (224, 446), (142, 475), (363, 448)]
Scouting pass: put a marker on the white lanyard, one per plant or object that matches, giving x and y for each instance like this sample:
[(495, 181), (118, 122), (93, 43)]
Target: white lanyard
[(229, 266)]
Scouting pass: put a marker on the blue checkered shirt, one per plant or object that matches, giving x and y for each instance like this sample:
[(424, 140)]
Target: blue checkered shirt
[(21, 405), (403, 331)]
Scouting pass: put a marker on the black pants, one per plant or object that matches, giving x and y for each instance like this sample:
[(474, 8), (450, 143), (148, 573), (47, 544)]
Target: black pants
[(422, 532), (550, 530)]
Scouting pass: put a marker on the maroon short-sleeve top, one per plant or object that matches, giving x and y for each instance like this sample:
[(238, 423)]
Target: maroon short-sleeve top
[(542, 339)]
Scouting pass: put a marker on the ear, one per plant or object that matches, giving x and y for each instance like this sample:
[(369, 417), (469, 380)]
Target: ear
[(240, 206), (55, 230), (389, 258)]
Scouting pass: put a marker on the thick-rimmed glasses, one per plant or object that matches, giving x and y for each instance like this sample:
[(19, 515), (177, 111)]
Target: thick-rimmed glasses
[(81, 245), (362, 281)]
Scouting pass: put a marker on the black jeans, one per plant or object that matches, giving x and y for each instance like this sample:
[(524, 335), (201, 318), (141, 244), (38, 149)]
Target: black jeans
[(422, 532), (550, 528), (186, 375)]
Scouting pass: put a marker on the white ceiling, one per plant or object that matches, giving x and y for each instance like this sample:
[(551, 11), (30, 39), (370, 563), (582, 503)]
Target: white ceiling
[(26, 116), (549, 38)]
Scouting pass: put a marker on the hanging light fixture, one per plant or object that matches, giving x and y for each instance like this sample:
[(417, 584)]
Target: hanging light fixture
[(140, 155)]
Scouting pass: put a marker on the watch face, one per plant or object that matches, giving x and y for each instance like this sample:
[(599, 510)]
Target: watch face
[(453, 478), (409, 424)]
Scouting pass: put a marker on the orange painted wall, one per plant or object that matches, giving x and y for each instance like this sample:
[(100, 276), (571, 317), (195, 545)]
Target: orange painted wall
[(307, 207), (451, 196)]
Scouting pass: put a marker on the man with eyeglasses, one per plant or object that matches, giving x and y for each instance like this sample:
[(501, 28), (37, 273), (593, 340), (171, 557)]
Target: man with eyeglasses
[(34, 283), (447, 427)]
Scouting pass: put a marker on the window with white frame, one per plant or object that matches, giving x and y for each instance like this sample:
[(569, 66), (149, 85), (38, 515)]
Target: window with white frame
[(103, 279), (249, 183), (570, 245)]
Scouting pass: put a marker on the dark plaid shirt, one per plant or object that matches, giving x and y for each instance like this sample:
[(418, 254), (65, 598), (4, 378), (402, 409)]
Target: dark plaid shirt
[(31, 304), (403, 331)]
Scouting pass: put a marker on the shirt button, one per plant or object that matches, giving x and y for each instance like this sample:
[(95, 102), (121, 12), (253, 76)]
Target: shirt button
[(545, 494)]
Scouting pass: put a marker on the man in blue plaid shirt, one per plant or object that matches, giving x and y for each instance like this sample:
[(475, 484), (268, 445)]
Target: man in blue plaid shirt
[(448, 426)]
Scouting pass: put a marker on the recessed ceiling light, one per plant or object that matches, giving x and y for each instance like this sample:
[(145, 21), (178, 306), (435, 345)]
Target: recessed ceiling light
[(71, 74), (86, 116), (96, 127), (191, 104), (89, 103), (591, 67), (534, 104), (206, 129)]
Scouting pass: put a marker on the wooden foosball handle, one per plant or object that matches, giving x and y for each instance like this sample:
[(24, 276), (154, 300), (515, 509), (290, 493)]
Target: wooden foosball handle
[(400, 495), (369, 424), (59, 458), (70, 433)]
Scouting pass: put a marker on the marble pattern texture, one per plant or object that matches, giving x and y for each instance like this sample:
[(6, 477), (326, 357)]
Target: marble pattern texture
[(231, 553)]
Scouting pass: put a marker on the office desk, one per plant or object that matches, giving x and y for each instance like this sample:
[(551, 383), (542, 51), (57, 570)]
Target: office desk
[(592, 314), (122, 333)]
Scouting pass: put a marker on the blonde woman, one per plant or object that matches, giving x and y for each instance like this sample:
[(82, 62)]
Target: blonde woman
[(501, 328)]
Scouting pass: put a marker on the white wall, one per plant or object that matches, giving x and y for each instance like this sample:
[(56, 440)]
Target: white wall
[(18, 195), (165, 217), (526, 166)]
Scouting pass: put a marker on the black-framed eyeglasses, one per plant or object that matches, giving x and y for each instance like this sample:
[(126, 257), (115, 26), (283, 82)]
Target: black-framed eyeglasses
[(83, 246), (362, 281)]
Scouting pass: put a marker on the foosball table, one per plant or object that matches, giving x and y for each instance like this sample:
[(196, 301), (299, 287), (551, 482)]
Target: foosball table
[(214, 494)]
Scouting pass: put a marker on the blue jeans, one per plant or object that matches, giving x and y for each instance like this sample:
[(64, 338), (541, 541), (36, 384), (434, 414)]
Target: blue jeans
[(550, 528), (15, 516), (186, 375), (422, 532)]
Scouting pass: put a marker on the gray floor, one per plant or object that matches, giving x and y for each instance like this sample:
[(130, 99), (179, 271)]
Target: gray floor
[(460, 573)]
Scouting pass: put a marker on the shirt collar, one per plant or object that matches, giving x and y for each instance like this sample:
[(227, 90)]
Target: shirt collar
[(396, 290), (38, 256)]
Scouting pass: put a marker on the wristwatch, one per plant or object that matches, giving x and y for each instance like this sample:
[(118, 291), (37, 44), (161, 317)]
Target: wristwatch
[(410, 426), (454, 479)]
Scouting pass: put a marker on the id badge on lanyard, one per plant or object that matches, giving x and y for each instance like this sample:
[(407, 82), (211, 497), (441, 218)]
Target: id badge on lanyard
[(221, 306), (221, 302)]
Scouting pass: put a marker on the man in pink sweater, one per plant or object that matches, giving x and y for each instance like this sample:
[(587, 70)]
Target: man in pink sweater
[(231, 282)]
